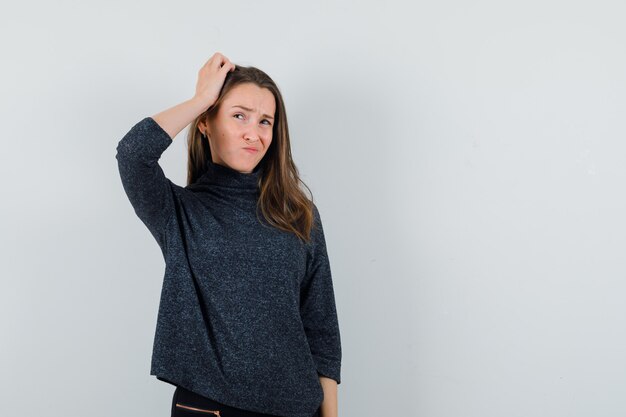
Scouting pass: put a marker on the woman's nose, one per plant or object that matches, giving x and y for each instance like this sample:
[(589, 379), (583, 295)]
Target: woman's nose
[(252, 135)]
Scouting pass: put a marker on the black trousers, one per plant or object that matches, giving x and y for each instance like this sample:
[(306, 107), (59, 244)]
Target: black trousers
[(186, 403)]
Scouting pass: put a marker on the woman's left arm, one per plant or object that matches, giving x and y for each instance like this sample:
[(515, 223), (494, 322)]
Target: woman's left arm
[(329, 405), (319, 318)]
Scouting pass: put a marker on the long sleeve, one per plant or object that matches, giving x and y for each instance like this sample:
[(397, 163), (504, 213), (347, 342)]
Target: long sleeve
[(317, 307), (149, 191)]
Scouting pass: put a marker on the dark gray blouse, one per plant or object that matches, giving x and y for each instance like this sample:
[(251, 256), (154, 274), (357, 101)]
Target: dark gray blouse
[(247, 313)]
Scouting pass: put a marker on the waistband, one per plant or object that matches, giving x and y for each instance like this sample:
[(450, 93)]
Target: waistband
[(191, 401)]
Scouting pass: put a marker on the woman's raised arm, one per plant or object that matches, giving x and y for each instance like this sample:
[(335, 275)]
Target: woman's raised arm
[(150, 193)]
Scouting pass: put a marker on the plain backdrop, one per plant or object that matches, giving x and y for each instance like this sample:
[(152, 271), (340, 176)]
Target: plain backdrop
[(467, 157)]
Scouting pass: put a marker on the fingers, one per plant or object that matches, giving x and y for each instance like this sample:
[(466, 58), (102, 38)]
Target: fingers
[(212, 75), (228, 66), (219, 59), (216, 60), (219, 62), (225, 63)]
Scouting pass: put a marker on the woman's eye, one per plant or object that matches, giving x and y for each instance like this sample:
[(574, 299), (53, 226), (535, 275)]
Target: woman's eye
[(264, 120)]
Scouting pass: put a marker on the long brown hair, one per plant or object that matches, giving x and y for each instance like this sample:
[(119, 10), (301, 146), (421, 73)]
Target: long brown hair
[(282, 201)]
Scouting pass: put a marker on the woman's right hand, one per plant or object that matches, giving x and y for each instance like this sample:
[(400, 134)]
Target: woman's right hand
[(211, 78)]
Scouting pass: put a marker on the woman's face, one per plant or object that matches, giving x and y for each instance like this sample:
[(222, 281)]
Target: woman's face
[(241, 132)]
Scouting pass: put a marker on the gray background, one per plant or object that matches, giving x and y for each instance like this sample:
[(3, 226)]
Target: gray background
[(467, 158)]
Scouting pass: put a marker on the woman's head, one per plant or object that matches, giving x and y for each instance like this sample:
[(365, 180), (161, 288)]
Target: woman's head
[(240, 129), (250, 112), (222, 131)]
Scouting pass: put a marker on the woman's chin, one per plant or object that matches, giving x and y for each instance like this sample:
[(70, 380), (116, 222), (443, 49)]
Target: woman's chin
[(243, 167)]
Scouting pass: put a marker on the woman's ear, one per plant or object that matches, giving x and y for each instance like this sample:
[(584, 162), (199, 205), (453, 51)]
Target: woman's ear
[(203, 128)]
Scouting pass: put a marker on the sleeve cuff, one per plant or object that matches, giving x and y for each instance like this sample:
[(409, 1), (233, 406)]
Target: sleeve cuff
[(328, 368)]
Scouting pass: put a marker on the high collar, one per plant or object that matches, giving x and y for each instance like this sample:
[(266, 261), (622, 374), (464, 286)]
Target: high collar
[(224, 176)]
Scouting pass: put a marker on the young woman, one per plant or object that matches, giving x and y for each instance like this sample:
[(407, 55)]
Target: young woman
[(247, 322)]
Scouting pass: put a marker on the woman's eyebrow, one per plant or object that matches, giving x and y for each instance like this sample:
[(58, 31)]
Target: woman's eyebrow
[(247, 109)]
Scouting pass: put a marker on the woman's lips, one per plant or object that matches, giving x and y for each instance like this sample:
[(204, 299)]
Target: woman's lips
[(251, 150)]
